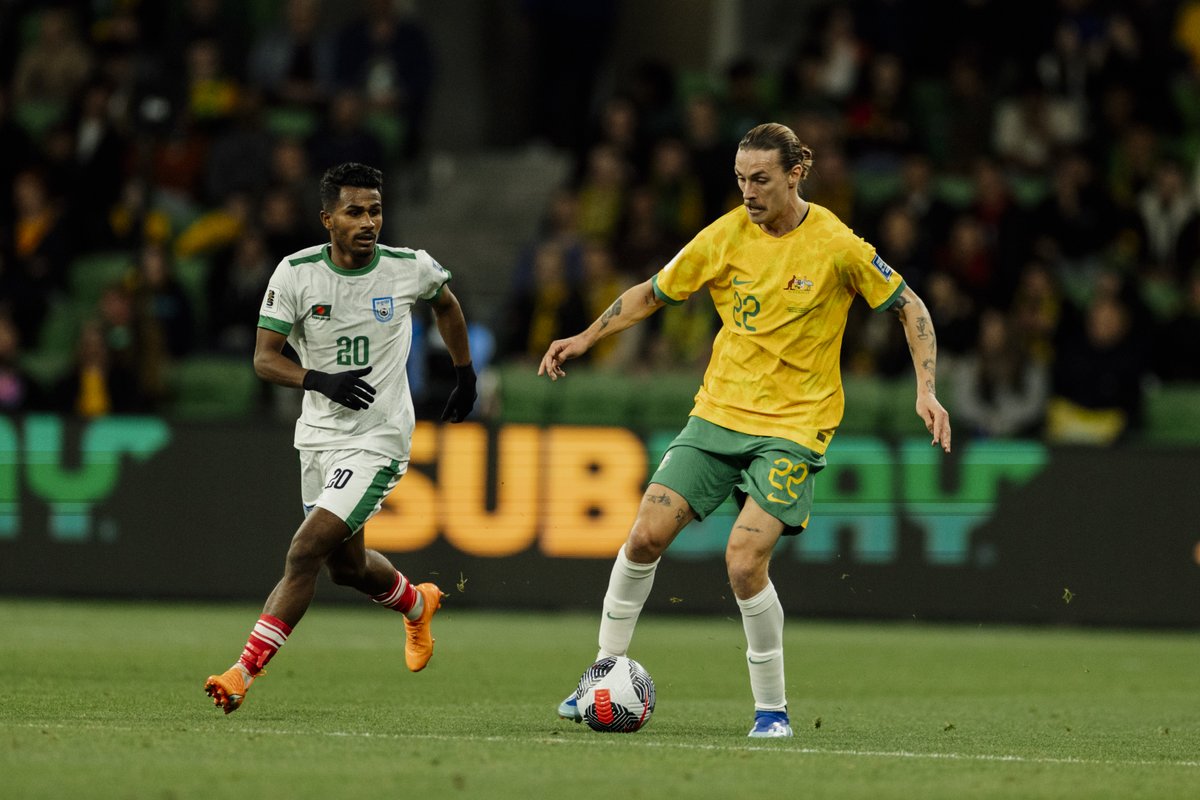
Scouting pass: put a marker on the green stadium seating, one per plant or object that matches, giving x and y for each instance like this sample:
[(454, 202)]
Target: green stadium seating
[(590, 397), (524, 396), (90, 275), (291, 122), (193, 274), (210, 388), (1172, 414), (38, 116)]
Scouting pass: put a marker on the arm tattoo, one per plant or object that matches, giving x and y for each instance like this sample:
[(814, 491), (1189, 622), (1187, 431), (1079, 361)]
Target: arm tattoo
[(922, 324), (898, 306), (659, 499), (611, 312)]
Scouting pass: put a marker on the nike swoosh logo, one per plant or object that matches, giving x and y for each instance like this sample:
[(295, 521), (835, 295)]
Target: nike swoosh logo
[(609, 614), (736, 282), (772, 498), (764, 661)]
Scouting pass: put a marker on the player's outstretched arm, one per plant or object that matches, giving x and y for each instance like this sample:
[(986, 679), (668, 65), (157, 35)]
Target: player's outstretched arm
[(922, 345), (452, 325), (633, 306)]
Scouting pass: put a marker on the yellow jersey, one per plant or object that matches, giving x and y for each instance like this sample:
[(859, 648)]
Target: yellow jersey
[(783, 301)]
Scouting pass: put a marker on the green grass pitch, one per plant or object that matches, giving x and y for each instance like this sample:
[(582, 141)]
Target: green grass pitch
[(105, 700)]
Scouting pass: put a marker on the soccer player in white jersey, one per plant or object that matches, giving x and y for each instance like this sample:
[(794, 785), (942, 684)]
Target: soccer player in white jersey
[(345, 306)]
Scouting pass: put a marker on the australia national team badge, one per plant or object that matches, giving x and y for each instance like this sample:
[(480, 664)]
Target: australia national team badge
[(384, 308)]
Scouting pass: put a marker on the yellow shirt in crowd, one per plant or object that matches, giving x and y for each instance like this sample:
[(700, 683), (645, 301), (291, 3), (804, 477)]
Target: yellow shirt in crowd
[(783, 301)]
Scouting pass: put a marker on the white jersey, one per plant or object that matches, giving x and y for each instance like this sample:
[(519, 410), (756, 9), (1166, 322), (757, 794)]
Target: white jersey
[(339, 320)]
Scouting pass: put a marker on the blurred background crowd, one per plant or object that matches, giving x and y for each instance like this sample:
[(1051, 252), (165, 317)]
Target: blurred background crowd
[(1034, 175)]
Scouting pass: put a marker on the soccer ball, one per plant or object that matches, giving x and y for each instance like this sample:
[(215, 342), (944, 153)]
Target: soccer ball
[(615, 695)]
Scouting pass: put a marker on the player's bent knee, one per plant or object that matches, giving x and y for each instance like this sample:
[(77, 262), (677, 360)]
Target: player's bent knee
[(644, 545)]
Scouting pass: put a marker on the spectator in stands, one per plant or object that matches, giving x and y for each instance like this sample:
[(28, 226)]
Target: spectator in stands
[(602, 193), (618, 127), (97, 384), (217, 229), (678, 196), (1074, 222), (708, 152), (135, 351), (833, 186), (343, 136), (1170, 224), (386, 56), (643, 245), (53, 67), (919, 196), (1032, 125), (879, 120), (160, 297), (550, 306), (19, 391), (239, 159), (100, 150), (999, 390), (235, 290), (743, 103), (1097, 377), (1176, 350), (293, 62), (41, 245), (292, 170), (281, 224), (211, 92), (969, 115), (215, 21), (1037, 309), (17, 148)]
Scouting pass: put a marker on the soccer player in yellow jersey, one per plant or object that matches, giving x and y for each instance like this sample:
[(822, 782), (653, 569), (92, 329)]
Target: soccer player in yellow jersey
[(782, 273)]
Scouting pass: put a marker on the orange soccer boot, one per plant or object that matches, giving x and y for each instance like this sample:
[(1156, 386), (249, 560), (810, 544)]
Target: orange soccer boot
[(228, 689), (418, 644)]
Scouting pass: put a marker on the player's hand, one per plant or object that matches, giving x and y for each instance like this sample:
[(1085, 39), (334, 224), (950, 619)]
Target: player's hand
[(462, 398), (936, 419), (559, 351), (347, 388)]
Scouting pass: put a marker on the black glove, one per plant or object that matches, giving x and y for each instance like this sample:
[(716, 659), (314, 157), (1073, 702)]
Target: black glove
[(347, 388), (462, 399)]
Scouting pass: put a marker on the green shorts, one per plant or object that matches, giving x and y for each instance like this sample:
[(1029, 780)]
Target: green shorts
[(706, 462)]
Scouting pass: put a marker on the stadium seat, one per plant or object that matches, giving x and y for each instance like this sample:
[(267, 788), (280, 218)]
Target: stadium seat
[(524, 396), (662, 402), (589, 397), (291, 122), (209, 388), (866, 404), (1173, 414), (193, 274), (90, 275), (38, 116)]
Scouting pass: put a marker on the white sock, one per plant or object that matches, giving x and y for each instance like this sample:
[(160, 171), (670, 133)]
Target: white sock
[(628, 587), (762, 617)]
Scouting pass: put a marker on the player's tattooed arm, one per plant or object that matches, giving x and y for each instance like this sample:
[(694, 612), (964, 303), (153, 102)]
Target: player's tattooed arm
[(922, 346), (609, 313)]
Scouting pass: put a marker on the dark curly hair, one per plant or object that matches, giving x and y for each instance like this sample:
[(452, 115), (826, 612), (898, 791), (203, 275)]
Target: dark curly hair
[(348, 174)]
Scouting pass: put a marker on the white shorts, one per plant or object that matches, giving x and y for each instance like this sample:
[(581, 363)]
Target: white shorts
[(350, 484)]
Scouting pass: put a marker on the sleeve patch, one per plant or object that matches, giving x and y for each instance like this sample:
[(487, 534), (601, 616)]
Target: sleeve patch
[(883, 267)]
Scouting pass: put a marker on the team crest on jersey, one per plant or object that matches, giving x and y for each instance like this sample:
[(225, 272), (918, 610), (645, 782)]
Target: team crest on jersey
[(384, 308), (798, 284), (883, 267)]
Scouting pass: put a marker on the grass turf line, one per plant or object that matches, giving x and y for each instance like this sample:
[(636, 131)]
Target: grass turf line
[(105, 700)]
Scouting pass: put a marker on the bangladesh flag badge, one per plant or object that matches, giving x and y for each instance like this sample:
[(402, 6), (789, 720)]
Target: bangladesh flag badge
[(322, 311)]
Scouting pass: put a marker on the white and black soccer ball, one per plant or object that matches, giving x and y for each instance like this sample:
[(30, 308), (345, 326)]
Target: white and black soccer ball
[(616, 695)]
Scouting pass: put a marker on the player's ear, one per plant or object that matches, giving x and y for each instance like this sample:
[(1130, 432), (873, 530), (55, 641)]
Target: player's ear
[(327, 220)]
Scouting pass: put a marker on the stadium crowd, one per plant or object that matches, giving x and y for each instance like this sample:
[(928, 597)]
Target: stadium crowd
[(1034, 176)]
